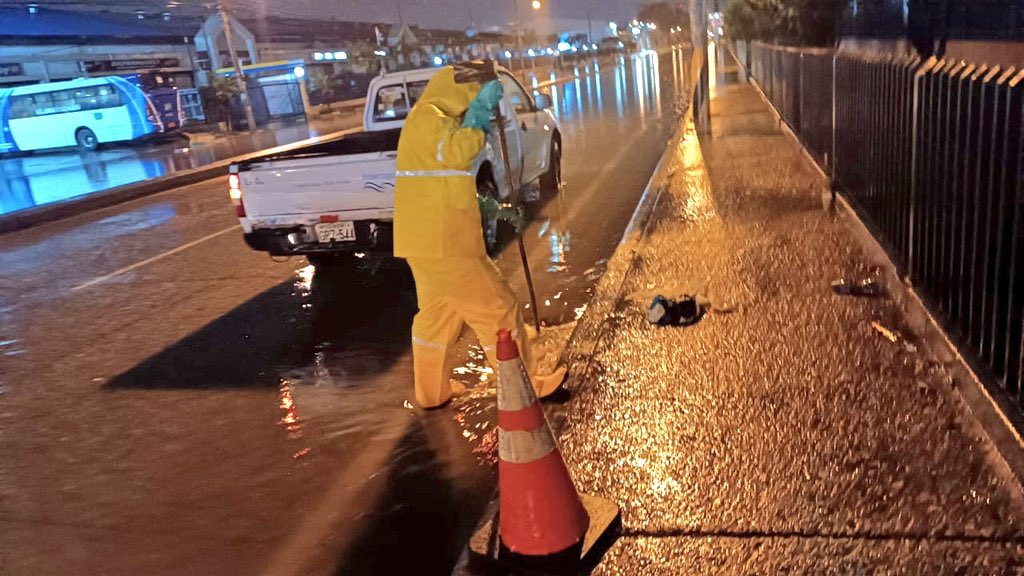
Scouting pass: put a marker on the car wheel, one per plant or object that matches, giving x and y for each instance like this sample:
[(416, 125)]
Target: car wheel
[(86, 139), (551, 181)]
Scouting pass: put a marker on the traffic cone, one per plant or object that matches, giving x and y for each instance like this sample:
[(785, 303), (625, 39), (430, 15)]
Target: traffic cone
[(541, 513), (540, 523)]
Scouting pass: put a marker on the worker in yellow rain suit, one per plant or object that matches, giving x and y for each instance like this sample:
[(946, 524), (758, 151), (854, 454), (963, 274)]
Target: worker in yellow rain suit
[(438, 231)]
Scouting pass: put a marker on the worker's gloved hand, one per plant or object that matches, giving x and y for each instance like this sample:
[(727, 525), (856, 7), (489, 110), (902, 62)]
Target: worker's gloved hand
[(490, 94), (479, 114)]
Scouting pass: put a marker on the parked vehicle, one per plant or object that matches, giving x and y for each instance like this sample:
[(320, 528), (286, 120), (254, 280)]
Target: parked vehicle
[(337, 198), (85, 113), (167, 102)]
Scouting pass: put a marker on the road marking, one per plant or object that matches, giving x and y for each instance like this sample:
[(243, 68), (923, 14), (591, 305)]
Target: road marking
[(148, 261)]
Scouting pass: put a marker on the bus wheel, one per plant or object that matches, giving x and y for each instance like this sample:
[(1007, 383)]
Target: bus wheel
[(86, 139)]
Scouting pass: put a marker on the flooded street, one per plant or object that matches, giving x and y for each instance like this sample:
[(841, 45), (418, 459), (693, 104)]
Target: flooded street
[(173, 402)]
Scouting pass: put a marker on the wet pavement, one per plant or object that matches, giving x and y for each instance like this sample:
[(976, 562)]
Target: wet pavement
[(176, 403), (792, 430), (37, 178)]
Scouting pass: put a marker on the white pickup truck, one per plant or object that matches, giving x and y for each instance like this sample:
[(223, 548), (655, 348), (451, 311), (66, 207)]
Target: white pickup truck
[(336, 199)]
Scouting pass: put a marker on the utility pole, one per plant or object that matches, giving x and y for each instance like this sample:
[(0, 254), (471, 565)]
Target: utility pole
[(519, 38), (702, 91), (225, 19)]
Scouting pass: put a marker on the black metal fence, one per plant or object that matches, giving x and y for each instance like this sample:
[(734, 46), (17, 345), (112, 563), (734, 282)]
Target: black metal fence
[(932, 155)]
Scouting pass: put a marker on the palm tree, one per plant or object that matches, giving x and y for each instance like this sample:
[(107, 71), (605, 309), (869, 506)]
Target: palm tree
[(222, 89)]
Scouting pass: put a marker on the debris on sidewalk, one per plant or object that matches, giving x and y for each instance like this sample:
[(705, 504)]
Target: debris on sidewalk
[(700, 293), (885, 332), (867, 288), (682, 312)]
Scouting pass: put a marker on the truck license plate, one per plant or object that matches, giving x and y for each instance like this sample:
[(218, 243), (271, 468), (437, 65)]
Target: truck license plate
[(335, 232)]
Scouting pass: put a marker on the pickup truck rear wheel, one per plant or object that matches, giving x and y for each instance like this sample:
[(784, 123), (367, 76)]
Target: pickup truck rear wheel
[(551, 181)]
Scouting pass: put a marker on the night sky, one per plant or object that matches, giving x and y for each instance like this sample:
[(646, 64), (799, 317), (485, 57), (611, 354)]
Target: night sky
[(455, 14)]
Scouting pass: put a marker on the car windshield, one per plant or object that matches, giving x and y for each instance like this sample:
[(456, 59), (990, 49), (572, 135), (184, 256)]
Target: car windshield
[(393, 103)]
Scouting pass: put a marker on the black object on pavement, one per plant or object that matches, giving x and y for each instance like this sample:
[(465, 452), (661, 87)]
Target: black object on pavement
[(869, 288), (665, 312)]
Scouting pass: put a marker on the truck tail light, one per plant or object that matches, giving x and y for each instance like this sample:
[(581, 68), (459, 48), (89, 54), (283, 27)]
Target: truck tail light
[(235, 192)]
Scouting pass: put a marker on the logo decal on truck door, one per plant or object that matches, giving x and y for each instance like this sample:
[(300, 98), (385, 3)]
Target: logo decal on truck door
[(381, 187)]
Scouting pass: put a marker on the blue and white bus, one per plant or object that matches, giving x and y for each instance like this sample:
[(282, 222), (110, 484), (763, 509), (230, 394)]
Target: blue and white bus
[(86, 113)]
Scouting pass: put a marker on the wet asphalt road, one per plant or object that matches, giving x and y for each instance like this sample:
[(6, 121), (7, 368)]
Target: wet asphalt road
[(176, 403)]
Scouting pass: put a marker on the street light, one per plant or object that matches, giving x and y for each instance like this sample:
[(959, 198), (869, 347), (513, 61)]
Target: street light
[(518, 28)]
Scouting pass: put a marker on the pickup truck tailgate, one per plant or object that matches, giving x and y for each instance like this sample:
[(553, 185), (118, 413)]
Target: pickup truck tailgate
[(324, 185), (355, 174)]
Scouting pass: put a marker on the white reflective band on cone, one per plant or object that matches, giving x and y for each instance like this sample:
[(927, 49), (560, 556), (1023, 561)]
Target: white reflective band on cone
[(524, 446), (514, 389), (432, 173)]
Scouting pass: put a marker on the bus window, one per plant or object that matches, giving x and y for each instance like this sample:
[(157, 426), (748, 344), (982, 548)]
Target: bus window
[(61, 101), (22, 107), (97, 97)]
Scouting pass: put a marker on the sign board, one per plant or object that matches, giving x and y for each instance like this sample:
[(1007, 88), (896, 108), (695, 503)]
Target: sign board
[(130, 65), (11, 69)]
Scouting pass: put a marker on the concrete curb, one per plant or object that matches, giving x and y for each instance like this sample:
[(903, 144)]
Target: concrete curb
[(23, 219), (592, 327), (994, 417)]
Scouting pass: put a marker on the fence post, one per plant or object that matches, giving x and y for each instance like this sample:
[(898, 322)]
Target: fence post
[(915, 158), (833, 160)]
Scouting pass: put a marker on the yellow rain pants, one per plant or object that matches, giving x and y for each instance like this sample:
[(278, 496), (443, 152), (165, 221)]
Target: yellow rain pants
[(452, 293)]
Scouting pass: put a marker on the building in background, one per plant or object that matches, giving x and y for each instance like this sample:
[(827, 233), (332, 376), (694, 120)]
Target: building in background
[(293, 65), (42, 45)]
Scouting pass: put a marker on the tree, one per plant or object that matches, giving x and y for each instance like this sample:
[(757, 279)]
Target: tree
[(817, 21), (217, 98), (666, 15), (742, 20), (802, 22)]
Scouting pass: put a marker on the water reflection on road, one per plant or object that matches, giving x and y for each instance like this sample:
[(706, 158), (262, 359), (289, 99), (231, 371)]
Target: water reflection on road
[(34, 179)]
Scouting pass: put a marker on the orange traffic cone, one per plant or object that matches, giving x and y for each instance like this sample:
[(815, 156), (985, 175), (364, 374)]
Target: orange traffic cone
[(541, 513), (540, 522)]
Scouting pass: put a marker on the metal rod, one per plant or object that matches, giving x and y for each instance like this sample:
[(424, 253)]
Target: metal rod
[(514, 193)]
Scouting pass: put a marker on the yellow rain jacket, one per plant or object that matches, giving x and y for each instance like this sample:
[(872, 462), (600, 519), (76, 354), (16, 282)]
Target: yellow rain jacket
[(436, 209)]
